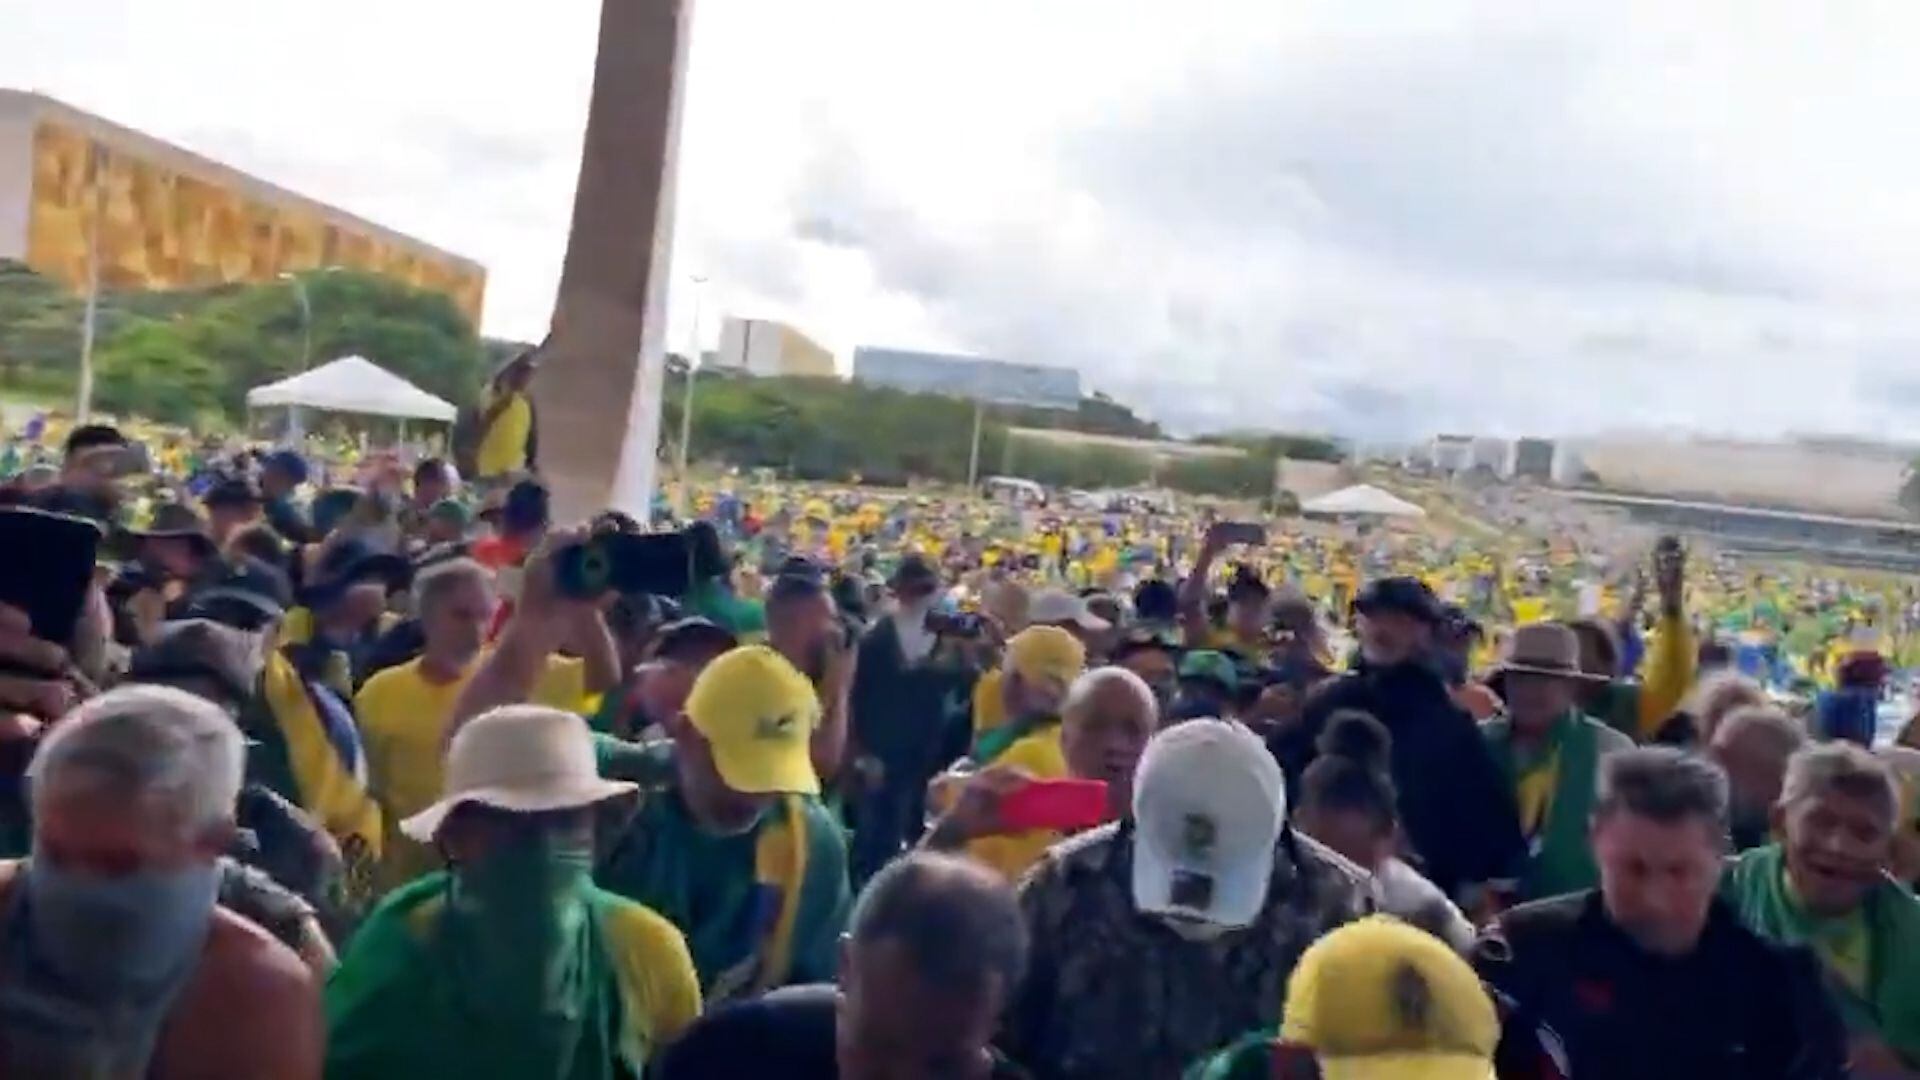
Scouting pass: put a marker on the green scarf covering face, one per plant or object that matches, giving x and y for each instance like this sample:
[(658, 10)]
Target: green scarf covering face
[(500, 968), (515, 928)]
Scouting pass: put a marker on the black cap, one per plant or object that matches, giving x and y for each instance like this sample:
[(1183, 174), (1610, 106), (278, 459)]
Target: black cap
[(248, 595), (914, 572), (1156, 600), (348, 563), (1246, 584), (1399, 596), (692, 636), (233, 491)]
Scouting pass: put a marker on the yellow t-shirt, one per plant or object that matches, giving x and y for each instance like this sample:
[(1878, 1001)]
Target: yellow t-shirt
[(504, 449), (1011, 855), (658, 984), (402, 716)]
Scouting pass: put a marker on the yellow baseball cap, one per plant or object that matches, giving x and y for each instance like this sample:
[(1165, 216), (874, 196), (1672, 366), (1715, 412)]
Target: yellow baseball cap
[(758, 713), (1380, 1000), (1046, 654)]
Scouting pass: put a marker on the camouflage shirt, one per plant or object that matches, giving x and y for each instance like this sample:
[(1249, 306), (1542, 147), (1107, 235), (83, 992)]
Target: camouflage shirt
[(1113, 993)]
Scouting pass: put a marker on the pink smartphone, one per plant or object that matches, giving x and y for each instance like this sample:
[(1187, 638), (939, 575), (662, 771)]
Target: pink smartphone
[(1062, 805)]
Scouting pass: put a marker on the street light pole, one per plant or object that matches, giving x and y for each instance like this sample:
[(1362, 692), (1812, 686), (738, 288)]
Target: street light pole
[(306, 318), (685, 508), (96, 163)]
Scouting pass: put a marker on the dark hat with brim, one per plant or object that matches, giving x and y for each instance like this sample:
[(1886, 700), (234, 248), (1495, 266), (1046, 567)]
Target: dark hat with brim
[(171, 521), (250, 594), (200, 648), (1546, 649)]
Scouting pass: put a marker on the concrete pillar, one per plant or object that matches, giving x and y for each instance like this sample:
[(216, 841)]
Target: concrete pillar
[(598, 393)]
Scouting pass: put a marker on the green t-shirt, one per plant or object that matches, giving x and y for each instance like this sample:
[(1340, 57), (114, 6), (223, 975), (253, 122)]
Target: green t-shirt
[(706, 885)]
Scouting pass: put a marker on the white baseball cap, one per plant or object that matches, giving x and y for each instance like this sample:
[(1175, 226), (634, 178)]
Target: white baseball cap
[(1209, 802), (1055, 607), (523, 758)]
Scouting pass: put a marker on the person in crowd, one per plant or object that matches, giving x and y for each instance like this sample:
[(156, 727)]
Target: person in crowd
[(172, 555), (905, 712), (1347, 802), (1054, 608), (434, 482), (1457, 807), (1753, 745), (115, 957), (1166, 936), (713, 594), (511, 962), (1106, 720), (1551, 754), (1374, 1000), (1651, 976), (660, 686), (1039, 664), (1156, 606), (522, 520), (1209, 682), (934, 950), (1825, 887), (1639, 709), (94, 461), (403, 710), (1712, 700), (308, 747), (300, 862), (1850, 711), (733, 848), (804, 626), (234, 504), (729, 845), (508, 436), (1154, 655), (447, 528), (1243, 630), (281, 475)]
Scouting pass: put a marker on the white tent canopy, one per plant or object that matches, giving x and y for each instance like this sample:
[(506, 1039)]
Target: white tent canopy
[(1361, 500), (352, 384)]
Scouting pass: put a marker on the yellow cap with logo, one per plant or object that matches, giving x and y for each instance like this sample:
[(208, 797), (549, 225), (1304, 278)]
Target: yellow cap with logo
[(757, 712), (1380, 1000), (1046, 654)]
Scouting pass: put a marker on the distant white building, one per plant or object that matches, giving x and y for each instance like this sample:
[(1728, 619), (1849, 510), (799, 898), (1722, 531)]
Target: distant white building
[(1488, 453), (1451, 453)]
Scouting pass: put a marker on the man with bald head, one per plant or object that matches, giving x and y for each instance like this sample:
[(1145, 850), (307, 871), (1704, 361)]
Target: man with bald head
[(933, 952)]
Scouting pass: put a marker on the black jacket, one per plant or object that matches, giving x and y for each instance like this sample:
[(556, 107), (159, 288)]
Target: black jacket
[(1578, 998), (1456, 807)]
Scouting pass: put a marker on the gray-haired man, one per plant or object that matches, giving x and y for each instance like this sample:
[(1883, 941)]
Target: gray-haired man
[(1650, 975), (114, 958)]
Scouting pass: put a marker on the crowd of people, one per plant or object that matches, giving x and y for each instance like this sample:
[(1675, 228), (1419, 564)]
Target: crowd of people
[(358, 780)]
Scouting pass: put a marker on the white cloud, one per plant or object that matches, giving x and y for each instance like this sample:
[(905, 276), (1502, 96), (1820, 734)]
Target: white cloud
[(1384, 218)]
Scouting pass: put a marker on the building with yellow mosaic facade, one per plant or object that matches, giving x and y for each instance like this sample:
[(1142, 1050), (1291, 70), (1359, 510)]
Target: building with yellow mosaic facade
[(168, 218)]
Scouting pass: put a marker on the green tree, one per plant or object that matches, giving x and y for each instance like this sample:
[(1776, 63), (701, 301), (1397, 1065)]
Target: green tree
[(150, 369)]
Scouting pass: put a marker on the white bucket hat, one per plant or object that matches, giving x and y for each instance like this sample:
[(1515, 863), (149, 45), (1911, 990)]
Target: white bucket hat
[(1208, 806), (524, 758), (1057, 607)]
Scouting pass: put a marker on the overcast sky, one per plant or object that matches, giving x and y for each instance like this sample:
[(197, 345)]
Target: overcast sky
[(1381, 219)]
